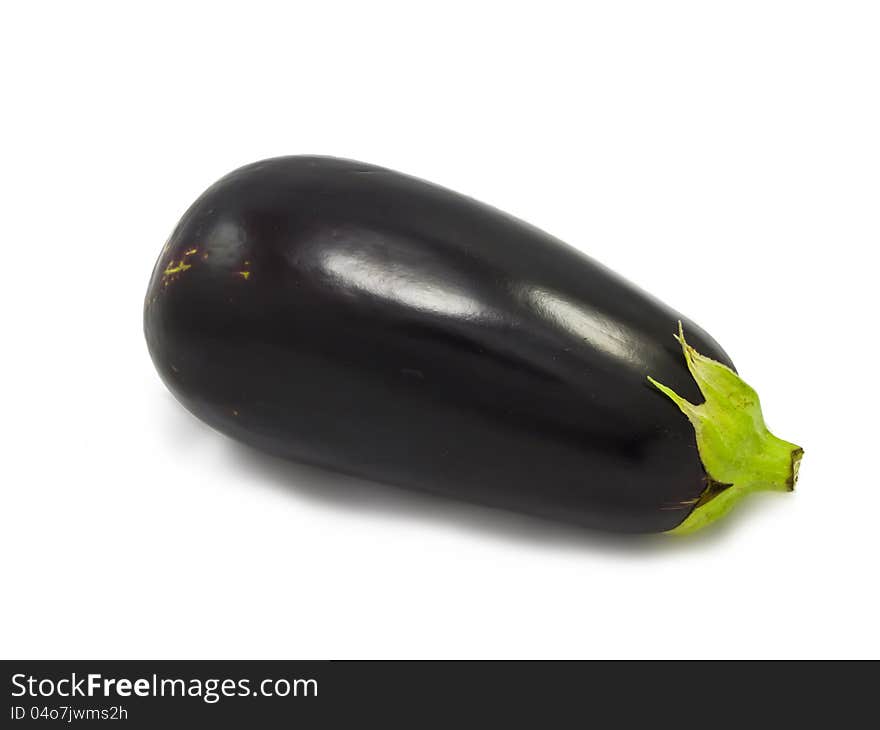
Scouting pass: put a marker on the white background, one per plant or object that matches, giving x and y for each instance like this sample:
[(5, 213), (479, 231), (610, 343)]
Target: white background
[(724, 156)]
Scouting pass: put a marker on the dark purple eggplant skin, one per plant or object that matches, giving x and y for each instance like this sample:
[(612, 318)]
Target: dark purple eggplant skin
[(341, 314)]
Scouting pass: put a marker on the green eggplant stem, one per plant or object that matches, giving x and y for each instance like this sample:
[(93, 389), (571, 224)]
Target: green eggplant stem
[(738, 452)]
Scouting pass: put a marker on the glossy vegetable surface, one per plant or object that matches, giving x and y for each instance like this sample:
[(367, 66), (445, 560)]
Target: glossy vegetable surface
[(345, 315)]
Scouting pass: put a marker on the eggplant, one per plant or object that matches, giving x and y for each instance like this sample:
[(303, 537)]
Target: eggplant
[(345, 315)]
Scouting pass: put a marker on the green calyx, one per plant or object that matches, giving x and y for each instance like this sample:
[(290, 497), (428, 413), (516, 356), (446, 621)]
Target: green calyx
[(738, 452)]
